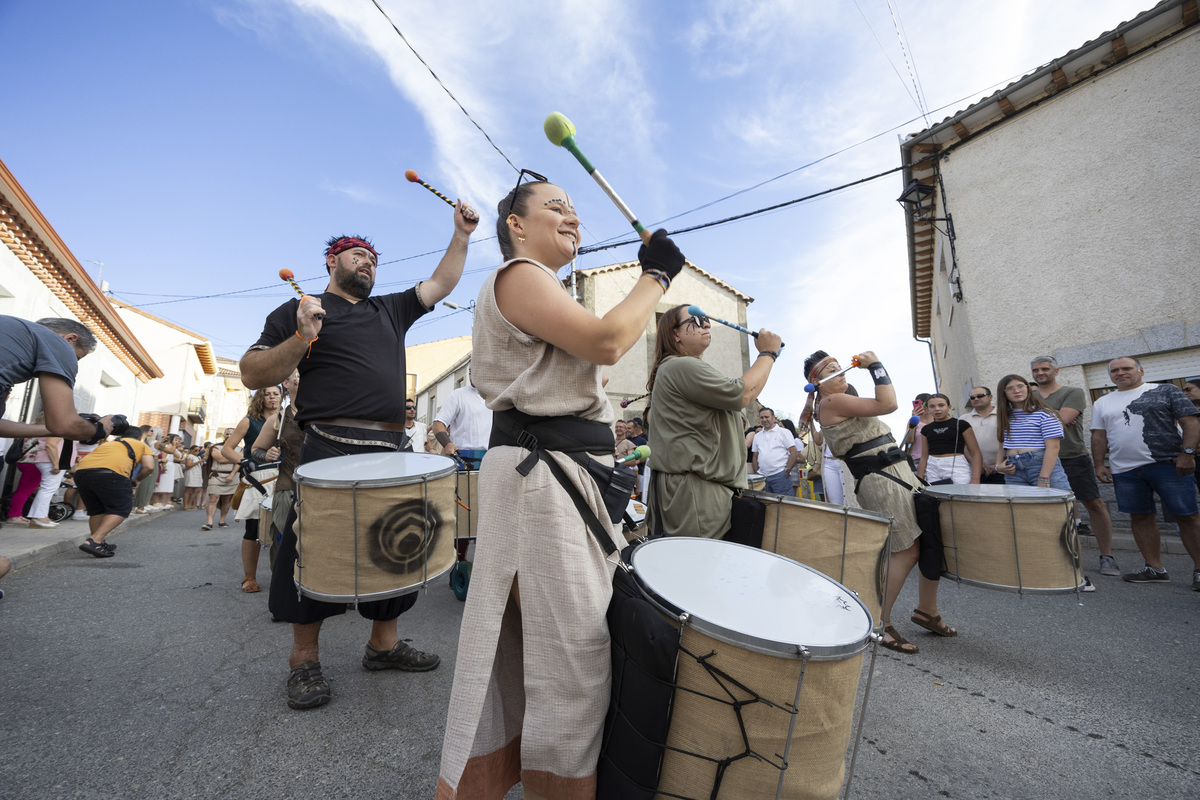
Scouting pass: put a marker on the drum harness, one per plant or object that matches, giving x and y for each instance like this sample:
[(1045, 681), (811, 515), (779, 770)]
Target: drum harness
[(576, 438), (863, 465)]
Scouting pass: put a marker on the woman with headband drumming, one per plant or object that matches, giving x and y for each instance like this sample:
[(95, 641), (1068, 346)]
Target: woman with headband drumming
[(697, 448), (531, 682), (884, 481)]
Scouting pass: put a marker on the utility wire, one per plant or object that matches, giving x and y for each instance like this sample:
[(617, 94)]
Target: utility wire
[(891, 63), (439, 80), (736, 217), (912, 72)]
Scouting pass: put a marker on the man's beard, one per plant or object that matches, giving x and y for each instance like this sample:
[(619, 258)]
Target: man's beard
[(353, 284)]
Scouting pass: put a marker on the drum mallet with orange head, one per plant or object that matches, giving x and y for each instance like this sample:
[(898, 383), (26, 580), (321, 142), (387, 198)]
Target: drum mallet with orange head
[(812, 387), (696, 312), (290, 277), (561, 133), (412, 177)]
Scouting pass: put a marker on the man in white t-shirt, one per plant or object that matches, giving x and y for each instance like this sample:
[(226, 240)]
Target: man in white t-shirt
[(773, 453), (1150, 432), (464, 422), (982, 419), (417, 432)]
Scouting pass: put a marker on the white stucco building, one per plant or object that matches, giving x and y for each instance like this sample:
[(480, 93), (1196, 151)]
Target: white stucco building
[(1075, 200)]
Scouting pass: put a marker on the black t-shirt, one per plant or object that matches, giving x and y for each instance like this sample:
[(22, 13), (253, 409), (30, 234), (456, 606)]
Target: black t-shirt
[(946, 438), (356, 367)]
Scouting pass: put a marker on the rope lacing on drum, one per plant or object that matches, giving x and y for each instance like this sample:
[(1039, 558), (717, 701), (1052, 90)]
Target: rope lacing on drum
[(725, 681)]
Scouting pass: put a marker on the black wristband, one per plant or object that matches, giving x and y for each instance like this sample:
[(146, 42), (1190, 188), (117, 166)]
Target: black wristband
[(101, 434), (259, 455), (878, 373), (772, 353)]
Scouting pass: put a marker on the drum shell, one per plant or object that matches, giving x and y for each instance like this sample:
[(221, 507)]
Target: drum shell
[(820, 731), (849, 545), (820, 737), (345, 534), (756, 482), (1024, 543), (468, 492)]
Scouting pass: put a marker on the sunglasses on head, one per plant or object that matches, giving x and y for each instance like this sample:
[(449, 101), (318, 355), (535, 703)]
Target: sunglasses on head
[(512, 198)]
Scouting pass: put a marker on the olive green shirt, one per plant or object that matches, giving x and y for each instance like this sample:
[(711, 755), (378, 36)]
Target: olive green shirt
[(1070, 397)]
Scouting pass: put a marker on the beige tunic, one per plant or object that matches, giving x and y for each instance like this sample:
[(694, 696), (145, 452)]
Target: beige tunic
[(531, 686), (875, 492)]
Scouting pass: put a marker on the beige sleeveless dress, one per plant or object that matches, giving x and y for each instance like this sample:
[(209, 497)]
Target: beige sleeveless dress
[(877, 493), (531, 686)]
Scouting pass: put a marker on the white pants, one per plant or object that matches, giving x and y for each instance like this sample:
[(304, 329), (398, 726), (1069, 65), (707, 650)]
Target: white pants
[(45, 493), (956, 468), (831, 478)]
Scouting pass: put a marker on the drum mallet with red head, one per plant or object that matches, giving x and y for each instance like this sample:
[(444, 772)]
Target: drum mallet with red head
[(412, 177), (290, 277), (561, 133), (625, 403)]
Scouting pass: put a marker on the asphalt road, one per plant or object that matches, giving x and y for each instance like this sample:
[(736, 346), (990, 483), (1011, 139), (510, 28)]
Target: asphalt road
[(150, 675)]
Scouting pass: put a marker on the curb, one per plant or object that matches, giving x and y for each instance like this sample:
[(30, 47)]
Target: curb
[(67, 536)]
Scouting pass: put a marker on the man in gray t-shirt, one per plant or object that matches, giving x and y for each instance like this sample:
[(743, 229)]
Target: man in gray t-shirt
[(1070, 403), (49, 350)]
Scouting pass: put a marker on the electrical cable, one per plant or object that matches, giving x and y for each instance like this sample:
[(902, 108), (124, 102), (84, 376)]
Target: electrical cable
[(439, 81)]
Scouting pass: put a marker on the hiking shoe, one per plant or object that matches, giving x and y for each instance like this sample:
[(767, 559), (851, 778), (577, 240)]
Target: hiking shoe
[(307, 687), (1147, 574), (1088, 586), (402, 656), (96, 549), (1083, 529), (1108, 566)]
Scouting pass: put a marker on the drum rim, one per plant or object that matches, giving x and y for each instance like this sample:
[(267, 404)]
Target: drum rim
[(1061, 496), (370, 596), (834, 508), (755, 644), (331, 483), (1004, 587)]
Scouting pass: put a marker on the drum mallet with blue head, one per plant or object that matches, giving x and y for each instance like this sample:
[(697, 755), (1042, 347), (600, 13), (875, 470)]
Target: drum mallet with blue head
[(812, 387), (696, 312), (561, 133)]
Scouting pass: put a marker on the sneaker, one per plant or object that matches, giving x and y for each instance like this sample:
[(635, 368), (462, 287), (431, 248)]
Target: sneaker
[(402, 656), (206, 526), (1083, 529), (307, 687), (1195, 581), (1108, 566), (1088, 586), (1146, 574), (81, 515)]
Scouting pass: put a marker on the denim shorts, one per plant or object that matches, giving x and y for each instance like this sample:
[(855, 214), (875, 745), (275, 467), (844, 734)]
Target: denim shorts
[(1136, 489), (1029, 469)]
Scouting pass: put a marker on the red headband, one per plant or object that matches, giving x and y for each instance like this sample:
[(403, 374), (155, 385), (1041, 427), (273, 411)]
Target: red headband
[(347, 242)]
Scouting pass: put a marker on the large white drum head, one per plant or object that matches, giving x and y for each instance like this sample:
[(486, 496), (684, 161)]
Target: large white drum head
[(374, 469), (994, 492), (754, 599)]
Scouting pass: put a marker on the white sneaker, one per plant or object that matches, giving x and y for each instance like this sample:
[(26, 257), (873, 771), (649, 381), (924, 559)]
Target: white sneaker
[(80, 515)]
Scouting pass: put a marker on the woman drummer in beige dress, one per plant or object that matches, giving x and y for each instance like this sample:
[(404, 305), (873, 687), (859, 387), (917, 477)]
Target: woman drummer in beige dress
[(847, 421), (531, 681)]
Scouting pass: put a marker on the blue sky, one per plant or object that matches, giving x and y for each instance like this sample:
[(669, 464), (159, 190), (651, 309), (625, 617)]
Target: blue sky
[(196, 148)]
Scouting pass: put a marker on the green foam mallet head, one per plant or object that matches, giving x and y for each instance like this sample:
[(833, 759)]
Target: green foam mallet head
[(558, 128)]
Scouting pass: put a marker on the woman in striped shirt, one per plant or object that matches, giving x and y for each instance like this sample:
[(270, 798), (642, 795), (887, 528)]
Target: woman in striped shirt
[(1030, 434)]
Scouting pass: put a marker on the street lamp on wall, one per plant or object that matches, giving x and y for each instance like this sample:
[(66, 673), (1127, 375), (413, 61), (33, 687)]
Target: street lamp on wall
[(918, 200)]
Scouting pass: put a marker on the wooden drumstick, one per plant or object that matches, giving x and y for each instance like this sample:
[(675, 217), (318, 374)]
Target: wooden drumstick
[(290, 277)]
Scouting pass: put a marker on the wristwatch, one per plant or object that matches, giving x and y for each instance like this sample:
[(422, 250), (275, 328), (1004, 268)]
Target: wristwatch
[(1187, 451)]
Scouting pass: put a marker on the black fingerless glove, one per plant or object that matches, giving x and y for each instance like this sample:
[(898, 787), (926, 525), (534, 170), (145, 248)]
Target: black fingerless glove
[(661, 254)]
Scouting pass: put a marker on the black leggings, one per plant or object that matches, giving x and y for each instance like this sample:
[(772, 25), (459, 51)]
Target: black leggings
[(251, 534)]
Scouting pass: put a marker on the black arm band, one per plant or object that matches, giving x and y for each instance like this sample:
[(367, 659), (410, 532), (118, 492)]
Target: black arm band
[(101, 434), (878, 373), (774, 355), (442, 437), (259, 455)]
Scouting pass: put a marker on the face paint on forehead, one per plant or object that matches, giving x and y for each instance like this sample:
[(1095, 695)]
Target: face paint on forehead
[(564, 203)]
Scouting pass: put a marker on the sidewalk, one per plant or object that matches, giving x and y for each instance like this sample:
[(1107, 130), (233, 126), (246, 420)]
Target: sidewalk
[(24, 545)]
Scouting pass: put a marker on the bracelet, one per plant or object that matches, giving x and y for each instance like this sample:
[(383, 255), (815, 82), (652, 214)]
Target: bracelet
[(663, 279), (774, 354), (310, 343)]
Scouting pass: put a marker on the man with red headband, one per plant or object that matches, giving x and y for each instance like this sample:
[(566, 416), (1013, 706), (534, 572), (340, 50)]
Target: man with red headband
[(349, 348)]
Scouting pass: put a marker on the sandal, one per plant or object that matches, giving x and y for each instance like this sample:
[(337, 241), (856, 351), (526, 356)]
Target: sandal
[(250, 586), (932, 624), (97, 549), (898, 642)]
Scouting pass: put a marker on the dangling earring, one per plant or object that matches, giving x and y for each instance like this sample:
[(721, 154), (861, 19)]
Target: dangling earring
[(520, 238)]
